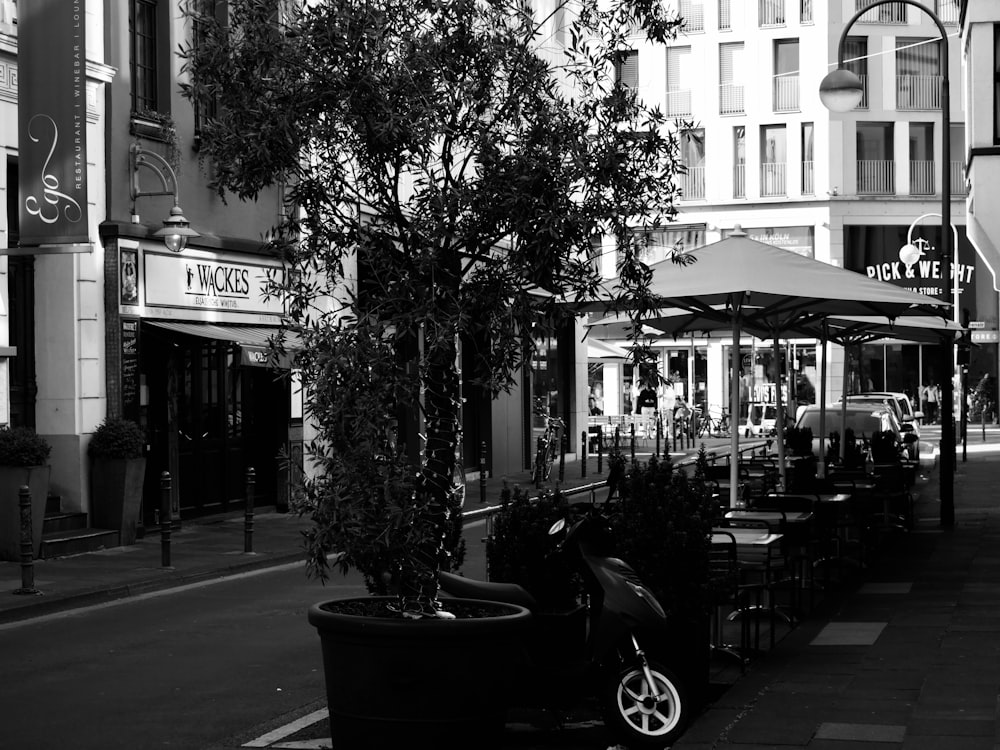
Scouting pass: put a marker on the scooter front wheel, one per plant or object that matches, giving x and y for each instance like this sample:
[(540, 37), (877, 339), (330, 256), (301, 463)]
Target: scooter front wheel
[(636, 715)]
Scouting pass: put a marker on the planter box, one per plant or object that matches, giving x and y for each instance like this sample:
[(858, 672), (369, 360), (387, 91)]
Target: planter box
[(12, 478), (116, 495)]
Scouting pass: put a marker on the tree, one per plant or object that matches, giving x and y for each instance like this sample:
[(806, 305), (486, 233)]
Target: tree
[(460, 166)]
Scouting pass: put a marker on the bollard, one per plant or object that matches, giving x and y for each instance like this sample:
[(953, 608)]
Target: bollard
[(248, 512), (165, 520), (27, 551), (563, 447), (659, 426), (632, 440), (618, 437), (482, 472), (583, 453)]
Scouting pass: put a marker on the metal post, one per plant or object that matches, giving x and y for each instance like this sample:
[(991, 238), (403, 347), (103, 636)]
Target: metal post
[(659, 429), (632, 440), (583, 453), (563, 447), (482, 472), (600, 449), (165, 519), (27, 545), (248, 511)]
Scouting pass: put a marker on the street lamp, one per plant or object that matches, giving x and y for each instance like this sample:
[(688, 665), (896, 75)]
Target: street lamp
[(841, 91), (176, 229)]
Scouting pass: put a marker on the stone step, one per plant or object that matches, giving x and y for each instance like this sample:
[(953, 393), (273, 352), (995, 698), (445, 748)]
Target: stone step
[(59, 521), (76, 541)]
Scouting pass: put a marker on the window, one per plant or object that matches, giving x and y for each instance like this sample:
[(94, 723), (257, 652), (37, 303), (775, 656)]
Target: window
[(678, 74), (958, 155), (773, 155), (918, 74), (875, 167), (996, 84), (856, 61), (693, 13), (808, 179), (206, 110), (730, 92), (947, 11), (771, 12), (739, 162), (725, 16), (693, 158), (805, 11), (627, 68), (786, 75), (144, 55), (921, 158)]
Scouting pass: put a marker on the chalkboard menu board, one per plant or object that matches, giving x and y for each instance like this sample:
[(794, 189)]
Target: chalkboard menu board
[(130, 368)]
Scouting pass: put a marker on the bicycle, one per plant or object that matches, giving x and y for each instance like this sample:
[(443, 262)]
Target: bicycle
[(709, 426), (549, 445)]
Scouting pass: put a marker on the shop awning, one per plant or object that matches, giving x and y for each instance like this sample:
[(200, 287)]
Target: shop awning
[(252, 340)]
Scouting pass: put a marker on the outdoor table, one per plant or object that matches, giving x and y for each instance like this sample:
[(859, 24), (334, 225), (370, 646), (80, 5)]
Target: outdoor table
[(772, 518), (749, 540)]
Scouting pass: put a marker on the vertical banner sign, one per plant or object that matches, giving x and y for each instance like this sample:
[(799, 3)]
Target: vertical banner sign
[(52, 122), (130, 368)]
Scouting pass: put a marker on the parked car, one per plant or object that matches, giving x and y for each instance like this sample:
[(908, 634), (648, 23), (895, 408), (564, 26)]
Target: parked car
[(909, 418), (864, 420), (761, 419)]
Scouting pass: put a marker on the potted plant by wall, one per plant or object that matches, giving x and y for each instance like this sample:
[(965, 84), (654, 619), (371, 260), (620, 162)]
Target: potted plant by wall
[(451, 210), (24, 459), (117, 472)]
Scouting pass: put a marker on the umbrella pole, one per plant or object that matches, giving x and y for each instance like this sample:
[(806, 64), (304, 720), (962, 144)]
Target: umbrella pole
[(843, 406), (779, 413), (734, 412), (821, 468)]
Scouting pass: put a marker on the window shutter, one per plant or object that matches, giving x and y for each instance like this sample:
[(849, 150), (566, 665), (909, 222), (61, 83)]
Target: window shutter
[(677, 59)]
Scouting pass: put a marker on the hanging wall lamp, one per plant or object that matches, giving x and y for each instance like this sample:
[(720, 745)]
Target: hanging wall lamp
[(176, 229)]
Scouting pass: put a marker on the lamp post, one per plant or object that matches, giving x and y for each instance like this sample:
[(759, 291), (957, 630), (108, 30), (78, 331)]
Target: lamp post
[(176, 229), (841, 91)]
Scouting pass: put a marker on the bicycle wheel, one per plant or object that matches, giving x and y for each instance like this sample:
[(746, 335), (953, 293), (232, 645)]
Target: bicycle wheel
[(538, 472)]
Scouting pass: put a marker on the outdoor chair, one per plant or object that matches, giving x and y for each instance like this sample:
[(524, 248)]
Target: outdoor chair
[(725, 594)]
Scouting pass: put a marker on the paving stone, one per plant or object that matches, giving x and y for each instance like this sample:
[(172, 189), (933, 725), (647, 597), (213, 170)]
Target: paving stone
[(861, 732), (849, 634)]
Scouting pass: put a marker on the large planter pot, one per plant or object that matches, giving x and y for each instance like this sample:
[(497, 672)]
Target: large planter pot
[(116, 495), (12, 478), (424, 683)]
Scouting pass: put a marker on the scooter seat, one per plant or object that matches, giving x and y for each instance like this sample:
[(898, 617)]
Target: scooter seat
[(468, 588)]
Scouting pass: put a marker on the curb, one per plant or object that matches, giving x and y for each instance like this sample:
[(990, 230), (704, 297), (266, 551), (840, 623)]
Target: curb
[(39, 606)]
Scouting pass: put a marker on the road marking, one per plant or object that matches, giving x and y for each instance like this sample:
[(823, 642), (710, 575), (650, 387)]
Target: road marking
[(276, 735)]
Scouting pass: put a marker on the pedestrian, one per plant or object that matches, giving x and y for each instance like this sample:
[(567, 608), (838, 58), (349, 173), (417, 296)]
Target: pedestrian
[(931, 396)]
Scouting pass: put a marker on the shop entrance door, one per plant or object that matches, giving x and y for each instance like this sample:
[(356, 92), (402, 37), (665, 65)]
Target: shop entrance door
[(222, 417)]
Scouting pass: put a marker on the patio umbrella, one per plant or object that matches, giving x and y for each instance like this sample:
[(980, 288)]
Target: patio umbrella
[(766, 289)]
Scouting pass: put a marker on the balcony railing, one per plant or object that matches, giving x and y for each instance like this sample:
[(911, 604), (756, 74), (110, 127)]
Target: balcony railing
[(889, 14), (771, 12), (679, 103), (958, 186), (740, 181), (947, 11), (786, 93), (918, 92), (876, 177), (772, 180), (731, 99), (692, 184), (863, 104), (808, 179), (921, 177)]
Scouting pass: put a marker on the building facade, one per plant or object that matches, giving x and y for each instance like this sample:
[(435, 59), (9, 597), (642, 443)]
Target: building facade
[(741, 83)]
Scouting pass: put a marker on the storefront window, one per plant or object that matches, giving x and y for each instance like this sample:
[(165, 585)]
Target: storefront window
[(595, 386)]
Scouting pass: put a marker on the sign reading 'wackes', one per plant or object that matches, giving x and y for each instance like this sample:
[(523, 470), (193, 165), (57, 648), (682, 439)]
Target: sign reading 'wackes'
[(52, 122)]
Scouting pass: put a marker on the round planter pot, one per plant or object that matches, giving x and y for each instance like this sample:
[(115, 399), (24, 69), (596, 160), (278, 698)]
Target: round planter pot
[(419, 683)]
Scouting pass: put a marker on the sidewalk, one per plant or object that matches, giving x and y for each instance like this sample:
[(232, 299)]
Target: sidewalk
[(909, 659)]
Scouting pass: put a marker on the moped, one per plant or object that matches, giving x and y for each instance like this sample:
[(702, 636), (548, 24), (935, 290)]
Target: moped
[(594, 650)]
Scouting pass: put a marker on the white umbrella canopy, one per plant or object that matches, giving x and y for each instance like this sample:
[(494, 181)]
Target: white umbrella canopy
[(768, 291)]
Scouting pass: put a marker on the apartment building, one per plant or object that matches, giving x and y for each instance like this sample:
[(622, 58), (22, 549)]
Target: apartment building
[(741, 82)]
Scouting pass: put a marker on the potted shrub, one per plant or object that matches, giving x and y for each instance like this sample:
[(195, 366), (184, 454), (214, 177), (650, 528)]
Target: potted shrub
[(453, 206), (117, 472), (24, 459), (799, 453)]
